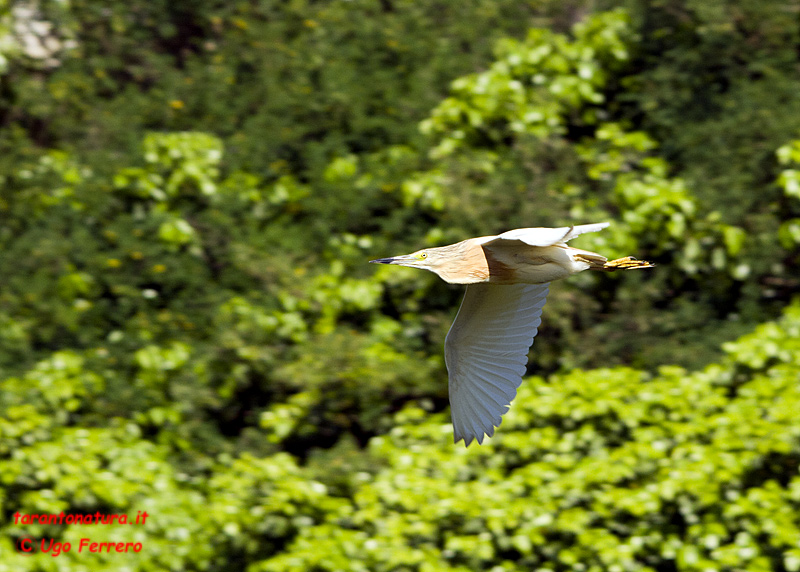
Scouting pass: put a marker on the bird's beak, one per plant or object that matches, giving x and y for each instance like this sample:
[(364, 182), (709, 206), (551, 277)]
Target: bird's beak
[(403, 260)]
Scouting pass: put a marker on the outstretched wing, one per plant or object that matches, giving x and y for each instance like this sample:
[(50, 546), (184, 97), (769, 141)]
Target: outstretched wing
[(486, 351), (547, 236)]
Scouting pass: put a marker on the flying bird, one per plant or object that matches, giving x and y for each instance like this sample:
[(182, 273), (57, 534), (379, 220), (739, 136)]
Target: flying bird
[(507, 278)]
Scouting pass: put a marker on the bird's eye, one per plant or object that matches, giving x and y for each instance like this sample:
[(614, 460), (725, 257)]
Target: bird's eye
[(421, 256)]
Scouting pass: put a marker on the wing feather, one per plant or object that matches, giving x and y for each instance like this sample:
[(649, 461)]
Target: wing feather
[(547, 236), (493, 400), (471, 422), (499, 376), (486, 352)]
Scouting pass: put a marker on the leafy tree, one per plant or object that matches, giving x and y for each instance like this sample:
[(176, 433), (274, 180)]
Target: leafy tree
[(188, 325)]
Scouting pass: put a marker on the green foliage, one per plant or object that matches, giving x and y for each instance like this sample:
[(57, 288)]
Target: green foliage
[(608, 469), (178, 165), (789, 181), (188, 326), (534, 87), (8, 46), (547, 100), (661, 212), (283, 82)]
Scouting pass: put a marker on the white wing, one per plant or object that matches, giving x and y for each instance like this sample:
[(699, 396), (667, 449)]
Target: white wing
[(548, 236), (486, 351)]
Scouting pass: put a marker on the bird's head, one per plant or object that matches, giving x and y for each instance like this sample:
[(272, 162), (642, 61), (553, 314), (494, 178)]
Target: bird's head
[(459, 263), (448, 262), (427, 259)]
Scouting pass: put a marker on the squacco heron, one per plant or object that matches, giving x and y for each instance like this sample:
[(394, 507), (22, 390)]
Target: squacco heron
[(507, 278)]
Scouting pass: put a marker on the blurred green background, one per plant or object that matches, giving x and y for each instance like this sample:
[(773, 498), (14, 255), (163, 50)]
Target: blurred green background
[(189, 194)]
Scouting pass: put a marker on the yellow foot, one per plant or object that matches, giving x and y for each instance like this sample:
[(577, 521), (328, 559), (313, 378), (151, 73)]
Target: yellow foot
[(627, 263)]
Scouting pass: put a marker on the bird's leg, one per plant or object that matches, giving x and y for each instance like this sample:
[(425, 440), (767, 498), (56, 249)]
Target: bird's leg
[(627, 263)]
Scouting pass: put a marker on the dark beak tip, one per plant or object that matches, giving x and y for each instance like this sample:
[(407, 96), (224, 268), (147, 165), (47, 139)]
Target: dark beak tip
[(381, 261)]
